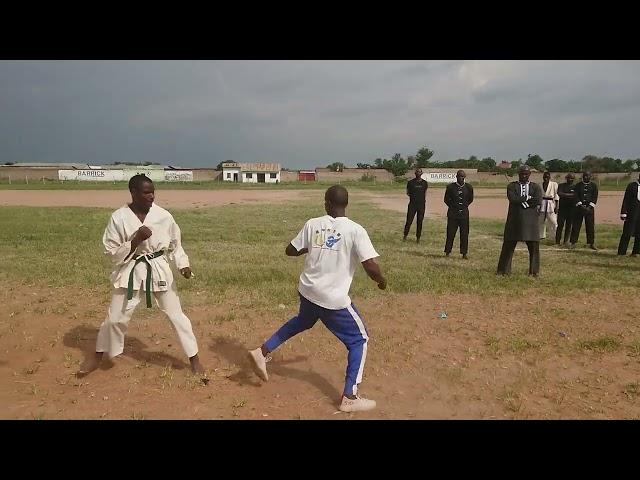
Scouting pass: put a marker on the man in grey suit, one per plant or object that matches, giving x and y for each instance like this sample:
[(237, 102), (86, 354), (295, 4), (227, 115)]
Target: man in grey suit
[(522, 222)]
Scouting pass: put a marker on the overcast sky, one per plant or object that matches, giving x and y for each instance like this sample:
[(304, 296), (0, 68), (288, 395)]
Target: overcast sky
[(311, 113)]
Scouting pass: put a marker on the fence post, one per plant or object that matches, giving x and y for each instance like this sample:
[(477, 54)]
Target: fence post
[(9, 179), (43, 180), (26, 179)]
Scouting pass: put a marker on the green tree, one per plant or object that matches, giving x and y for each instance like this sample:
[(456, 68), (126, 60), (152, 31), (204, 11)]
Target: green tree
[(574, 166), (592, 163), (336, 167), (487, 165), (397, 165), (534, 161), (423, 156), (629, 165), (556, 165), (364, 165)]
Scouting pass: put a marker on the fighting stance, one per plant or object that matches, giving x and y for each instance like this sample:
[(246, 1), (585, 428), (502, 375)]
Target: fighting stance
[(140, 239), (334, 246)]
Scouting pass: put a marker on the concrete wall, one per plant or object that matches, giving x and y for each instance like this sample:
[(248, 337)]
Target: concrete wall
[(351, 174), (32, 173), (36, 173), (18, 174)]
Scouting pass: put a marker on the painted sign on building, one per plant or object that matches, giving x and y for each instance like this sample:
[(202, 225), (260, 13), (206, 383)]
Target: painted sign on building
[(439, 177), (156, 175)]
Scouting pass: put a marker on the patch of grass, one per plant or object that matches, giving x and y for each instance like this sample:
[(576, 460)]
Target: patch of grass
[(493, 345), (237, 254), (166, 376), (601, 344), (521, 345), (634, 349), (32, 369), (222, 318), (632, 390), (512, 400)]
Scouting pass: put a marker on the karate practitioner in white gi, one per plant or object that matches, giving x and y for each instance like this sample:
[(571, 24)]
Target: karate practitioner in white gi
[(548, 212), (141, 239)]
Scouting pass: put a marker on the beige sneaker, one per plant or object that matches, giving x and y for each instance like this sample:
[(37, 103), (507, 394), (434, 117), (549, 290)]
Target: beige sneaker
[(259, 363), (357, 404)]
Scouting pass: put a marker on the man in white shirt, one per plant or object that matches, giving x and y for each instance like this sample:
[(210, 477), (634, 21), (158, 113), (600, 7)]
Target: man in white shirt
[(140, 239), (548, 213), (334, 246)]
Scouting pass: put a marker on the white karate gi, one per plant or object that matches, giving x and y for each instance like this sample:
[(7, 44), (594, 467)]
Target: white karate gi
[(165, 236), (546, 211)]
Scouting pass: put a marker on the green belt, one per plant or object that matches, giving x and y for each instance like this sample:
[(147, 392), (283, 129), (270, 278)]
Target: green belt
[(145, 259)]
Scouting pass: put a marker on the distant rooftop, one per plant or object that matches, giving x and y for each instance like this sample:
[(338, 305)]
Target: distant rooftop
[(253, 167)]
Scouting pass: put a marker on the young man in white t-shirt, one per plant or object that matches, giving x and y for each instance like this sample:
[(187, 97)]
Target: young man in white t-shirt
[(335, 246)]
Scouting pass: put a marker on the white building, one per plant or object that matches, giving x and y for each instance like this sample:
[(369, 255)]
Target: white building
[(251, 172)]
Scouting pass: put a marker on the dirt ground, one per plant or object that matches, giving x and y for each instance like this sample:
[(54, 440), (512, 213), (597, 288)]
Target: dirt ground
[(488, 360), (488, 203)]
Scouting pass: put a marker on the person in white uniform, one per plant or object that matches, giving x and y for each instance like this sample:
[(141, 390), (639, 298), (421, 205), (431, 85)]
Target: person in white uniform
[(548, 212), (141, 239), (335, 246)]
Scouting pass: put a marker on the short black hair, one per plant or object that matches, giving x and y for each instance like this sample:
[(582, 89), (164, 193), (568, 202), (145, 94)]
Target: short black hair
[(337, 195), (135, 182)]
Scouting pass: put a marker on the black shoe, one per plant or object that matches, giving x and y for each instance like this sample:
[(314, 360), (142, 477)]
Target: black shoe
[(446, 254), (404, 239), (464, 257), (633, 255), (417, 240), (593, 247)]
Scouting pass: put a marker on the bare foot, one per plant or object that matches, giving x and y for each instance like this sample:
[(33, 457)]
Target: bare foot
[(198, 369), (89, 365)]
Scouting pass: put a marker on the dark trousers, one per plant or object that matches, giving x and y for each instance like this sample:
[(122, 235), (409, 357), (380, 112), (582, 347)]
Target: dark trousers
[(627, 233), (506, 255), (565, 220), (412, 210), (452, 228), (589, 222)]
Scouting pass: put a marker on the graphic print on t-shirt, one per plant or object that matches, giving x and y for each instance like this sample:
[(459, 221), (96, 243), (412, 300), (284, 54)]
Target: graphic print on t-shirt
[(326, 238)]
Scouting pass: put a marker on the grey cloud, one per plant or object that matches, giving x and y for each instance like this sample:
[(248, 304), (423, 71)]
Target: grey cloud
[(304, 113), (357, 110)]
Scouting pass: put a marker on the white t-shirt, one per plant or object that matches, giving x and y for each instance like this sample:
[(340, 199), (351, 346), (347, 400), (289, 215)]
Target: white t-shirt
[(336, 247)]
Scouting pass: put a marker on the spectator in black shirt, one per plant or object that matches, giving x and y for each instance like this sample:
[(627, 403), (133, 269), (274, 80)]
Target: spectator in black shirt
[(567, 209), (417, 192), (586, 199), (458, 196)]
